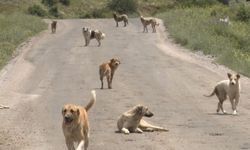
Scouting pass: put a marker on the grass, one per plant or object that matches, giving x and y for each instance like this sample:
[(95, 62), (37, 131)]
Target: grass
[(196, 29), (15, 28)]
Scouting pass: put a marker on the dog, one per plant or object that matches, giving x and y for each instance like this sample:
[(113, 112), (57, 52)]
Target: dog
[(131, 121), (92, 34), (147, 21), (225, 20), (108, 70), (227, 88), (53, 26), (119, 18), (75, 124)]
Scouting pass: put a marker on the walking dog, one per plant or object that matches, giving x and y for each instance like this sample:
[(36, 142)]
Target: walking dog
[(108, 70), (92, 34), (75, 124), (119, 18), (131, 121), (53, 26), (227, 88), (147, 21)]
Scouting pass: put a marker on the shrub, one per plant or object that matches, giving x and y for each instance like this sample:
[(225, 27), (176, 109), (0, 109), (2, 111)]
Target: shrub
[(54, 11), (37, 10), (123, 6), (65, 2), (196, 2), (243, 14), (49, 3)]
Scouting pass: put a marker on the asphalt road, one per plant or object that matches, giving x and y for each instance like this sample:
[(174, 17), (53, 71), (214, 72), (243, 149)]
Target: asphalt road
[(54, 69)]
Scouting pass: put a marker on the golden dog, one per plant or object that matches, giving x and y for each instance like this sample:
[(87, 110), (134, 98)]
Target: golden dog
[(92, 34), (131, 121), (227, 88), (147, 21), (53, 26), (75, 124), (108, 70), (119, 18)]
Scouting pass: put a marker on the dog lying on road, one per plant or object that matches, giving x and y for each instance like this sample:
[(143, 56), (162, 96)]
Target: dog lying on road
[(119, 18), (108, 70), (53, 26), (147, 21), (131, 121), (227, 88), (92, 34), (75, 124)]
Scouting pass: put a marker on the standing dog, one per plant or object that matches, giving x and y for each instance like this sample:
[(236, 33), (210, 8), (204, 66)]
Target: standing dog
[(108, 70), (131, 121), (75, 124), (53, 26), (119, 18), (92, 34), (227, 88), (145, 22)]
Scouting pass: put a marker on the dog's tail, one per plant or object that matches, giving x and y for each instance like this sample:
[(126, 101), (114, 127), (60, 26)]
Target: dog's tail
[(92, 100), (103, 36), (212, 94), (145, 125)]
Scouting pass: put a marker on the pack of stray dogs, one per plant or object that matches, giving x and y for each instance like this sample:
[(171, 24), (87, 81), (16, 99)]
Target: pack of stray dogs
[(75, 124)]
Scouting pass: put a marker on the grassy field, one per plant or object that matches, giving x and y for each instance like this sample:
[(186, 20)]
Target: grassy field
[(15, 28), (199, 29)]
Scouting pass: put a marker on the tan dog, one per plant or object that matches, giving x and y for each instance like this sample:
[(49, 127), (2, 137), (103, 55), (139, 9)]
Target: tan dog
[(108, 70), (131, 121), (147, 21), (53, 26), (75, 124), (92, 34), (227, 88), (119, 18)]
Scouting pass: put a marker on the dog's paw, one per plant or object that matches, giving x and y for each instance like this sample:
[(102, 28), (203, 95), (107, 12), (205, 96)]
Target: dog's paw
[(234, 112)]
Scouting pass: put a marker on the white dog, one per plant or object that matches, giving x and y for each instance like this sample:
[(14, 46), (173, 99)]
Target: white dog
[(92, 34), (227, 88)]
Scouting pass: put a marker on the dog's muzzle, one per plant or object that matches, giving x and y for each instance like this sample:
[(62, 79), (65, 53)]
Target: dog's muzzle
[(148, 114), (68, 119)]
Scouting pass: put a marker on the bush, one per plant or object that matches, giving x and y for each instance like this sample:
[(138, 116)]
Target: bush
[(37, 10), (65, 2), (123, 6), (54, 11), (243, 14), (49, 3), (196, 2)]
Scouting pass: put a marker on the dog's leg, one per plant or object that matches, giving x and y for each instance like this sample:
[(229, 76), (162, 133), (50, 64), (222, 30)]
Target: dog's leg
[(125, 131), (233, 105), (99, 42), (86, 142), (218, 107), (109, 81), (124, 23), (236, 102), (138, 130), (80, 145), (116, 23), (70, 144)]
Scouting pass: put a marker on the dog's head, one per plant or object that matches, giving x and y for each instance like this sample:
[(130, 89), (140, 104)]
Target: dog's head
[(143, 111), (115, 62), (85, 29), (70, 114), (233, 78)]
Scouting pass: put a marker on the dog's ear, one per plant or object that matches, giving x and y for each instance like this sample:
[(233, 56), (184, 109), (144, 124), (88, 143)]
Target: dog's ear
[(63, 110), (229, 75), (78, 111), (112, 60), (238, 76), (139, 110)]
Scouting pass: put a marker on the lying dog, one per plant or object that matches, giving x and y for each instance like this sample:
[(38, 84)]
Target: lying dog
[(227, 88), (53, 26), (75, 124), (108, 70), (145, 22), (119, 18), (131, 121), (92, 34)]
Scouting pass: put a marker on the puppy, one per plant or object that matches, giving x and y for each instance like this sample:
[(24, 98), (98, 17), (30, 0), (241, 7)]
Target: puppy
[(108, 70), (145, 22), (92, 34), (227, 88), (75, 124), (53, 26), (131, 121), (119, 18)]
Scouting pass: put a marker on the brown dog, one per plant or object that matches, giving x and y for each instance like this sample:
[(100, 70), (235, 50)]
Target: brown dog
[(108, 70), (53, 26), (75, 124), (147, 21), (119, 18)]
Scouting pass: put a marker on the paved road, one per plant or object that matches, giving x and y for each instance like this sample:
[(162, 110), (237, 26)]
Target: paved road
[(54, 69)]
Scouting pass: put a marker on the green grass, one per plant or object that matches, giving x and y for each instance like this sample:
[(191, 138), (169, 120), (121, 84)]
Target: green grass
[(196, 29), (15, 28)]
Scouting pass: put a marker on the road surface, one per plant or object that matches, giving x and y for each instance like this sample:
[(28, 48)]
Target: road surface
[(54, 69)]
